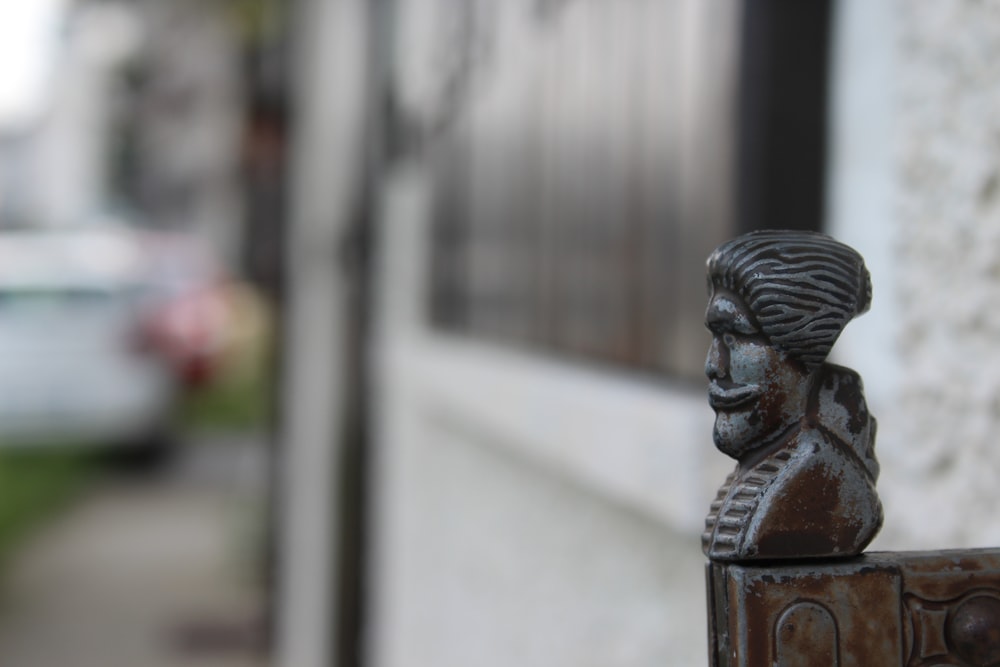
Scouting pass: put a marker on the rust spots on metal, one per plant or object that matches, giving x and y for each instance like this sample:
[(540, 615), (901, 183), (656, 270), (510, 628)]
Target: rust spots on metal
[(882, 609), (788, 585), (974, 629), (805, 636), (799, 428)]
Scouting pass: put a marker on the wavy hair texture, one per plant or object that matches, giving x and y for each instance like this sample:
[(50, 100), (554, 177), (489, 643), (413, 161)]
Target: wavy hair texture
[(802, 287)]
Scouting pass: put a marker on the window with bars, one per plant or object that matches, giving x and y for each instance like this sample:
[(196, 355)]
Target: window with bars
[(592, 153)]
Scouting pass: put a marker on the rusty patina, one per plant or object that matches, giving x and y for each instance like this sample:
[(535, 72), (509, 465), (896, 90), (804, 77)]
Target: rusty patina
[(799, 427), (788, 585), (882, 609)]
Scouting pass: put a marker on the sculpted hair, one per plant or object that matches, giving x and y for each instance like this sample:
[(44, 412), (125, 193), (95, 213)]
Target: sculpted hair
[(802, 287)]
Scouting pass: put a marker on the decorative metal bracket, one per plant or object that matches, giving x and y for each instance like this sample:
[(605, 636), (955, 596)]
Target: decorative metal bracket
[(788, 585), (918, 609)]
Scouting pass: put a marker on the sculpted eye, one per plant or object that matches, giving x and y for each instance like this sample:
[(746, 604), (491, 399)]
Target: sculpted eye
[(729, 339), (744, 327)]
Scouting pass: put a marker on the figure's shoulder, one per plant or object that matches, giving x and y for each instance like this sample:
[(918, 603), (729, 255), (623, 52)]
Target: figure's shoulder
[(820, 502), (817, 461)]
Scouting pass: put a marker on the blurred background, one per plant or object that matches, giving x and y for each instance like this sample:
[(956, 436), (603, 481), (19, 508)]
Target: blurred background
[(370, 332)]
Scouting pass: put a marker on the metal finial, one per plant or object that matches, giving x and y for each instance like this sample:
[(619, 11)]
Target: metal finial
[(799, 427)]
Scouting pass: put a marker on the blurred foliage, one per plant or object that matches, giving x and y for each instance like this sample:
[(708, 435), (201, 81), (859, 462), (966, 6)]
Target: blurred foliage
[(240, 397), (34, 483), (257, 21)]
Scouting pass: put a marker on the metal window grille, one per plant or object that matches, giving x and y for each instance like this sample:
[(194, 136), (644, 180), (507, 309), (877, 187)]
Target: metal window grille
[(599, 150)]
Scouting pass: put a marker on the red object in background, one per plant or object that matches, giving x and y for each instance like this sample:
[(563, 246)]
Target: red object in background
[(189, 330), (187, 319)]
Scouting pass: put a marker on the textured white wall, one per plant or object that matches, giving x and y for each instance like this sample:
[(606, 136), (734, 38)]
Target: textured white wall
[(507, 564), (915, 186), (947, 166)]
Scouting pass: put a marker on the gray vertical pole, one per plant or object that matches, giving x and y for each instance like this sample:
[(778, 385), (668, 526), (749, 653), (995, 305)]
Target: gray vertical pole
[(327, 175)]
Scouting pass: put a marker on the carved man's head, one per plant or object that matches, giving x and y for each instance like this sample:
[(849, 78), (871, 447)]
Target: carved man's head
[(778, 302)]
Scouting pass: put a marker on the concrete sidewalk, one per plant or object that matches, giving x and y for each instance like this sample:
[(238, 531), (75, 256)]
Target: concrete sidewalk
[(155, 572)]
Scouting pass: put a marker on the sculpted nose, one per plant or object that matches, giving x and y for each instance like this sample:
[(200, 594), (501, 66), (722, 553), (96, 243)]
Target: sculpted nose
[(715, 362)]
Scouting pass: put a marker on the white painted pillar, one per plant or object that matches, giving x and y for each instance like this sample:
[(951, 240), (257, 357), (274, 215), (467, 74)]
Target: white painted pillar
[(327, 171)]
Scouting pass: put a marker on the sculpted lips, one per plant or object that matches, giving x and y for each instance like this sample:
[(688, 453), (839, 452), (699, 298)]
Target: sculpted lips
[(729, 398)]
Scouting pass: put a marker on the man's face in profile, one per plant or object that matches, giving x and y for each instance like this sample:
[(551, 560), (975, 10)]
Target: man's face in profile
[(757, 392)]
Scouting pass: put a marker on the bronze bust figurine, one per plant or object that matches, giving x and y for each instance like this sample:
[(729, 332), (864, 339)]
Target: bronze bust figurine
[(799, 428)]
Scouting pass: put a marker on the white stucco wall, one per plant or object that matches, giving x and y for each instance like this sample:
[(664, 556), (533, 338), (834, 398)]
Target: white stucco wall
[(947, 166), (915, 186)]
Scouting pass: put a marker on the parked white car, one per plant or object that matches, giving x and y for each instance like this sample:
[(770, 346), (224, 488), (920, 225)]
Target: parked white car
[(86, 350)]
